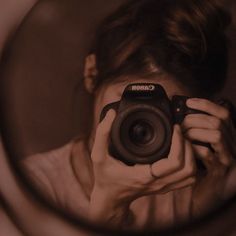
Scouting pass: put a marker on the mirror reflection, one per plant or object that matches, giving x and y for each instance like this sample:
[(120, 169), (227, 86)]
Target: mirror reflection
[(160, 149)]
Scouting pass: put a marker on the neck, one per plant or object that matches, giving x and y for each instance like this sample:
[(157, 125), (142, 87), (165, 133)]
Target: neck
[(82, 166)]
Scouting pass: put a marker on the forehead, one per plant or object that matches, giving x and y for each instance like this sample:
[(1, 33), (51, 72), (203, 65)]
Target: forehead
[(170, 84)]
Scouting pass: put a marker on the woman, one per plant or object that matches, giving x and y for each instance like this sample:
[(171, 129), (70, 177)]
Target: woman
[(181, 46)]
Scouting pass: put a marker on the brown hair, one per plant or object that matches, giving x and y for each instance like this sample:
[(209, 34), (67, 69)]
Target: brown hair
[(184, 38)]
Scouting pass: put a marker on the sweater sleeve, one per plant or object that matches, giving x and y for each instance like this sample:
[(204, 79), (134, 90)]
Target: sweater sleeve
[(39, 169)]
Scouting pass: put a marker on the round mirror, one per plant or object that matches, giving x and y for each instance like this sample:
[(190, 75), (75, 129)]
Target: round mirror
[(70, 59)]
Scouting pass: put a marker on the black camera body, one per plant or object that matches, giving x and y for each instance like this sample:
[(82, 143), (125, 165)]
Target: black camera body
[(142, 130)]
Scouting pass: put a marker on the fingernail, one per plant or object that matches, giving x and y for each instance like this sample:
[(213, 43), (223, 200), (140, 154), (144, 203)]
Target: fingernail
[(111, 114), (112, 111), (177, 128), (192, 101)]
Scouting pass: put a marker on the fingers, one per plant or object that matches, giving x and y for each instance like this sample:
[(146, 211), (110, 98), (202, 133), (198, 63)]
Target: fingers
[(209, 107), (214, 164), (101, 138), (175, 159), (213, 137), (215, 128), (202, 121), (189, 168), (182, 184), (204, 135), (187, 171)]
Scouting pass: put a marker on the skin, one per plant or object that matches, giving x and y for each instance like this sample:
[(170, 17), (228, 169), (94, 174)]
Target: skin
[(119, 185), (216, 129), (113, 185)]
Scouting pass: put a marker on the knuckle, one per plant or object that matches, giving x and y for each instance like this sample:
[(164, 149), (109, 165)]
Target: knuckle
[(95, 159), (192, 180), (190, 171), (177, 164), (225, 114), (218, 137), (92, 155), (206, 153), (216, 123)]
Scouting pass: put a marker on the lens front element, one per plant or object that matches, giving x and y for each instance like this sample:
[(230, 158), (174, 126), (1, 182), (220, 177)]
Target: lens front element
[(141, 132)]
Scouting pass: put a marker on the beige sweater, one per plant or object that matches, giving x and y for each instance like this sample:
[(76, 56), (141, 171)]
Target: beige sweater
[(52, 175)]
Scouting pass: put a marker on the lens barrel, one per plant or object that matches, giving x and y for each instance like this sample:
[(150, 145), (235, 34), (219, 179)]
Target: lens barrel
[(141, 134)]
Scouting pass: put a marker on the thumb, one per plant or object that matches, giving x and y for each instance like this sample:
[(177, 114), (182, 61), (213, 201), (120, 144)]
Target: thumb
[(101, 138)]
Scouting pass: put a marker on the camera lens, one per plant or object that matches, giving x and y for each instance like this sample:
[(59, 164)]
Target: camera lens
[(141, 132)]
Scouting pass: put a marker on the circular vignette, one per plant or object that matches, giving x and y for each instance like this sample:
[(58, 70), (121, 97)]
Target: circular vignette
[(197, 226)]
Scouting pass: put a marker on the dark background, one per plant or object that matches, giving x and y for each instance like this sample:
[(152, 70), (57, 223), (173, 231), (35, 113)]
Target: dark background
[(45, 104)]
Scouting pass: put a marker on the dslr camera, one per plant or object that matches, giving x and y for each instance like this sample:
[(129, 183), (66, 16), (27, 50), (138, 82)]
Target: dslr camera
[(142, 130)]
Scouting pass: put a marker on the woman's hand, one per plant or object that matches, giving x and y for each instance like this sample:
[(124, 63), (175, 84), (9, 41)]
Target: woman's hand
[(217, 129), (116, 185)]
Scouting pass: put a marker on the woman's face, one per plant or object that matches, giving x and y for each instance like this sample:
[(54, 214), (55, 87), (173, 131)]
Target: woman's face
[(113, 91)]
